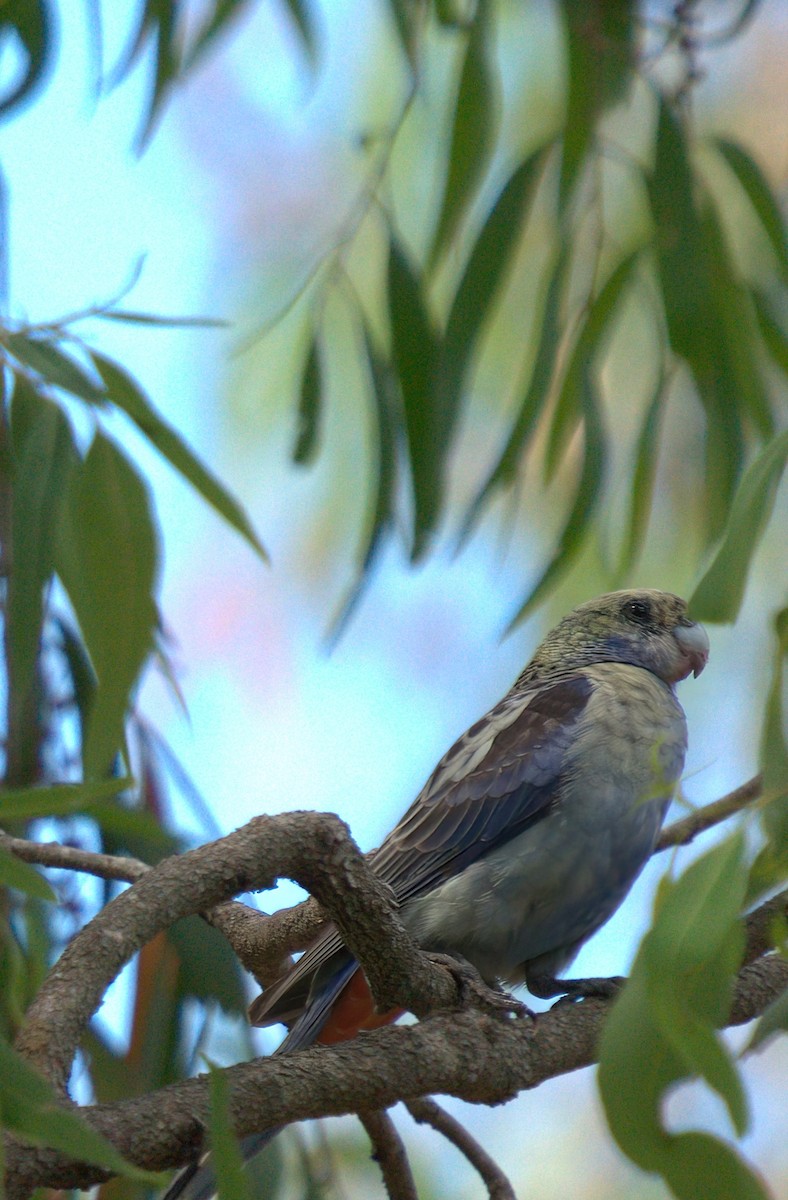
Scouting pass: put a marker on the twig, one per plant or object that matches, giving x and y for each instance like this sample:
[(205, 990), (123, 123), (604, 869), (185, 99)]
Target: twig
[(70, 858), (680, 833), (390, 1155), (427, 1112)]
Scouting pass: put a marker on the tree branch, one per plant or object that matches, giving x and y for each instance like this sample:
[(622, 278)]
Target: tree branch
[(390, 1155), (680, 833), (469, 1054), (70, 858), (316, 850), (427, 1112)]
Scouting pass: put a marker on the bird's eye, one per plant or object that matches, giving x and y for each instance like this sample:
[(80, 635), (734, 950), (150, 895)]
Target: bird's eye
[(639, 610)]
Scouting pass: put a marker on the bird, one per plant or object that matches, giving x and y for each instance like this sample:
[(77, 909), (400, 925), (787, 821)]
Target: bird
[(529, 832)]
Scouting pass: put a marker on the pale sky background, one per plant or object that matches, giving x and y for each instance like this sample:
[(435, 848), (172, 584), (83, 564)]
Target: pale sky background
[(246, 176)]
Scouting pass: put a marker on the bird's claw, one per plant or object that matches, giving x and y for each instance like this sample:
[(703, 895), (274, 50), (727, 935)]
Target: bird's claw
[(581, 989), (476, 992)]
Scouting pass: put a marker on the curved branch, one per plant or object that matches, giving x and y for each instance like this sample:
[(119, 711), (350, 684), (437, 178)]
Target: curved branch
[(314, 849), (470, 1054)]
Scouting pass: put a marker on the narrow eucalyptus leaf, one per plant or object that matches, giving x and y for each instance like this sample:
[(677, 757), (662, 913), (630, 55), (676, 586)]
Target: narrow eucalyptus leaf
[(25, 878), (125, 392), (227, 1159), (473, 132), (27, 26), (307, 436), (57, 367), (56, 799), (760, 195), (720, 592)]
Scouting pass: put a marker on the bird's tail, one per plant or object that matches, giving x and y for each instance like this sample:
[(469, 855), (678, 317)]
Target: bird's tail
[(198, 1180)]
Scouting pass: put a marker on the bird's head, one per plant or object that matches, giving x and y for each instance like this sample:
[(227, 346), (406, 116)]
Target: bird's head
[(643, 627)]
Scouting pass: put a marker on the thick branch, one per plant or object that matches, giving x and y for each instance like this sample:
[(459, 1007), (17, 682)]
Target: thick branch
[(314, 849), (468, 1054)]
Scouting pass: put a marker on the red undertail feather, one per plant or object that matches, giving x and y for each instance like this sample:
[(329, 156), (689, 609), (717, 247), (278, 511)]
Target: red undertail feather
[(354, 1011)]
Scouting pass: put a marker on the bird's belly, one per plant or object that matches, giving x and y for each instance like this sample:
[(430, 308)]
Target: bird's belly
[(545, 891)]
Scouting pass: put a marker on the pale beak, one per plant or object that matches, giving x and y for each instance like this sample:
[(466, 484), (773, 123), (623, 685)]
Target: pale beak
[(694, 645)]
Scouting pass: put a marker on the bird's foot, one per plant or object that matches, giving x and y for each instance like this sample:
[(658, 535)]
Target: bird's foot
[(476, 992), (580, 989)]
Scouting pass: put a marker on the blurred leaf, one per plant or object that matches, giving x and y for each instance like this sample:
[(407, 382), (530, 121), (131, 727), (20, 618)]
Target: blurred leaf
[(309, 406), (27, 24), (473, 132), (760, 196), (160, 322), (57, 368), (302, 19), (600, 51), (224, 11), (489, 260), (643, 476), (108, 562), (691, 955), (589, 490), (56, 799), (44, 457), (132, 831), (774, 337), (227, 1158), (773, 1020), (405, 16), (774, 753), (158, 24), (719, 594), (662, 1030), (590, 341), (385, 461), (126, 393), (535, 397), (14, 873), (80, 670), (739, 328), (414, 352), (30, 1109), (209, 969), (695, 326)]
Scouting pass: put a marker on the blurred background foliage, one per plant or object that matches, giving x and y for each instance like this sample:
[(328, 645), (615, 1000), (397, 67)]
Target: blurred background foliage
[(527, 291)]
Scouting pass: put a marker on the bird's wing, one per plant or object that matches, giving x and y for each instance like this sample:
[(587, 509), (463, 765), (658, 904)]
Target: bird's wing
[(499, 777)]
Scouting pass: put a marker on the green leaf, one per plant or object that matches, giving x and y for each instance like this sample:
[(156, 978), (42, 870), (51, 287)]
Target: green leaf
[(227, 1157), (14, 873), (760, 195), (489, 260), (600, 49), (773, 1020), (589, 490), (473, 132), (589, 343), (29, 26), (719, 595), (405, 18), (535, 397), (54, 365), (739, 328), (302, 19), (44, 456), (662, 1029), (209, 969), (307, 440), (108, 562), (774, 337), (56, 799), (774, 755), (413, 352), (159, 24), (126, 317), (685, 243), (383, 389), (30, 1110), (126, 393), (643, 477)]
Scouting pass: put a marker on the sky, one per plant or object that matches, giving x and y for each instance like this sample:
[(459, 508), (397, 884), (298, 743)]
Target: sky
[(247, 174)]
